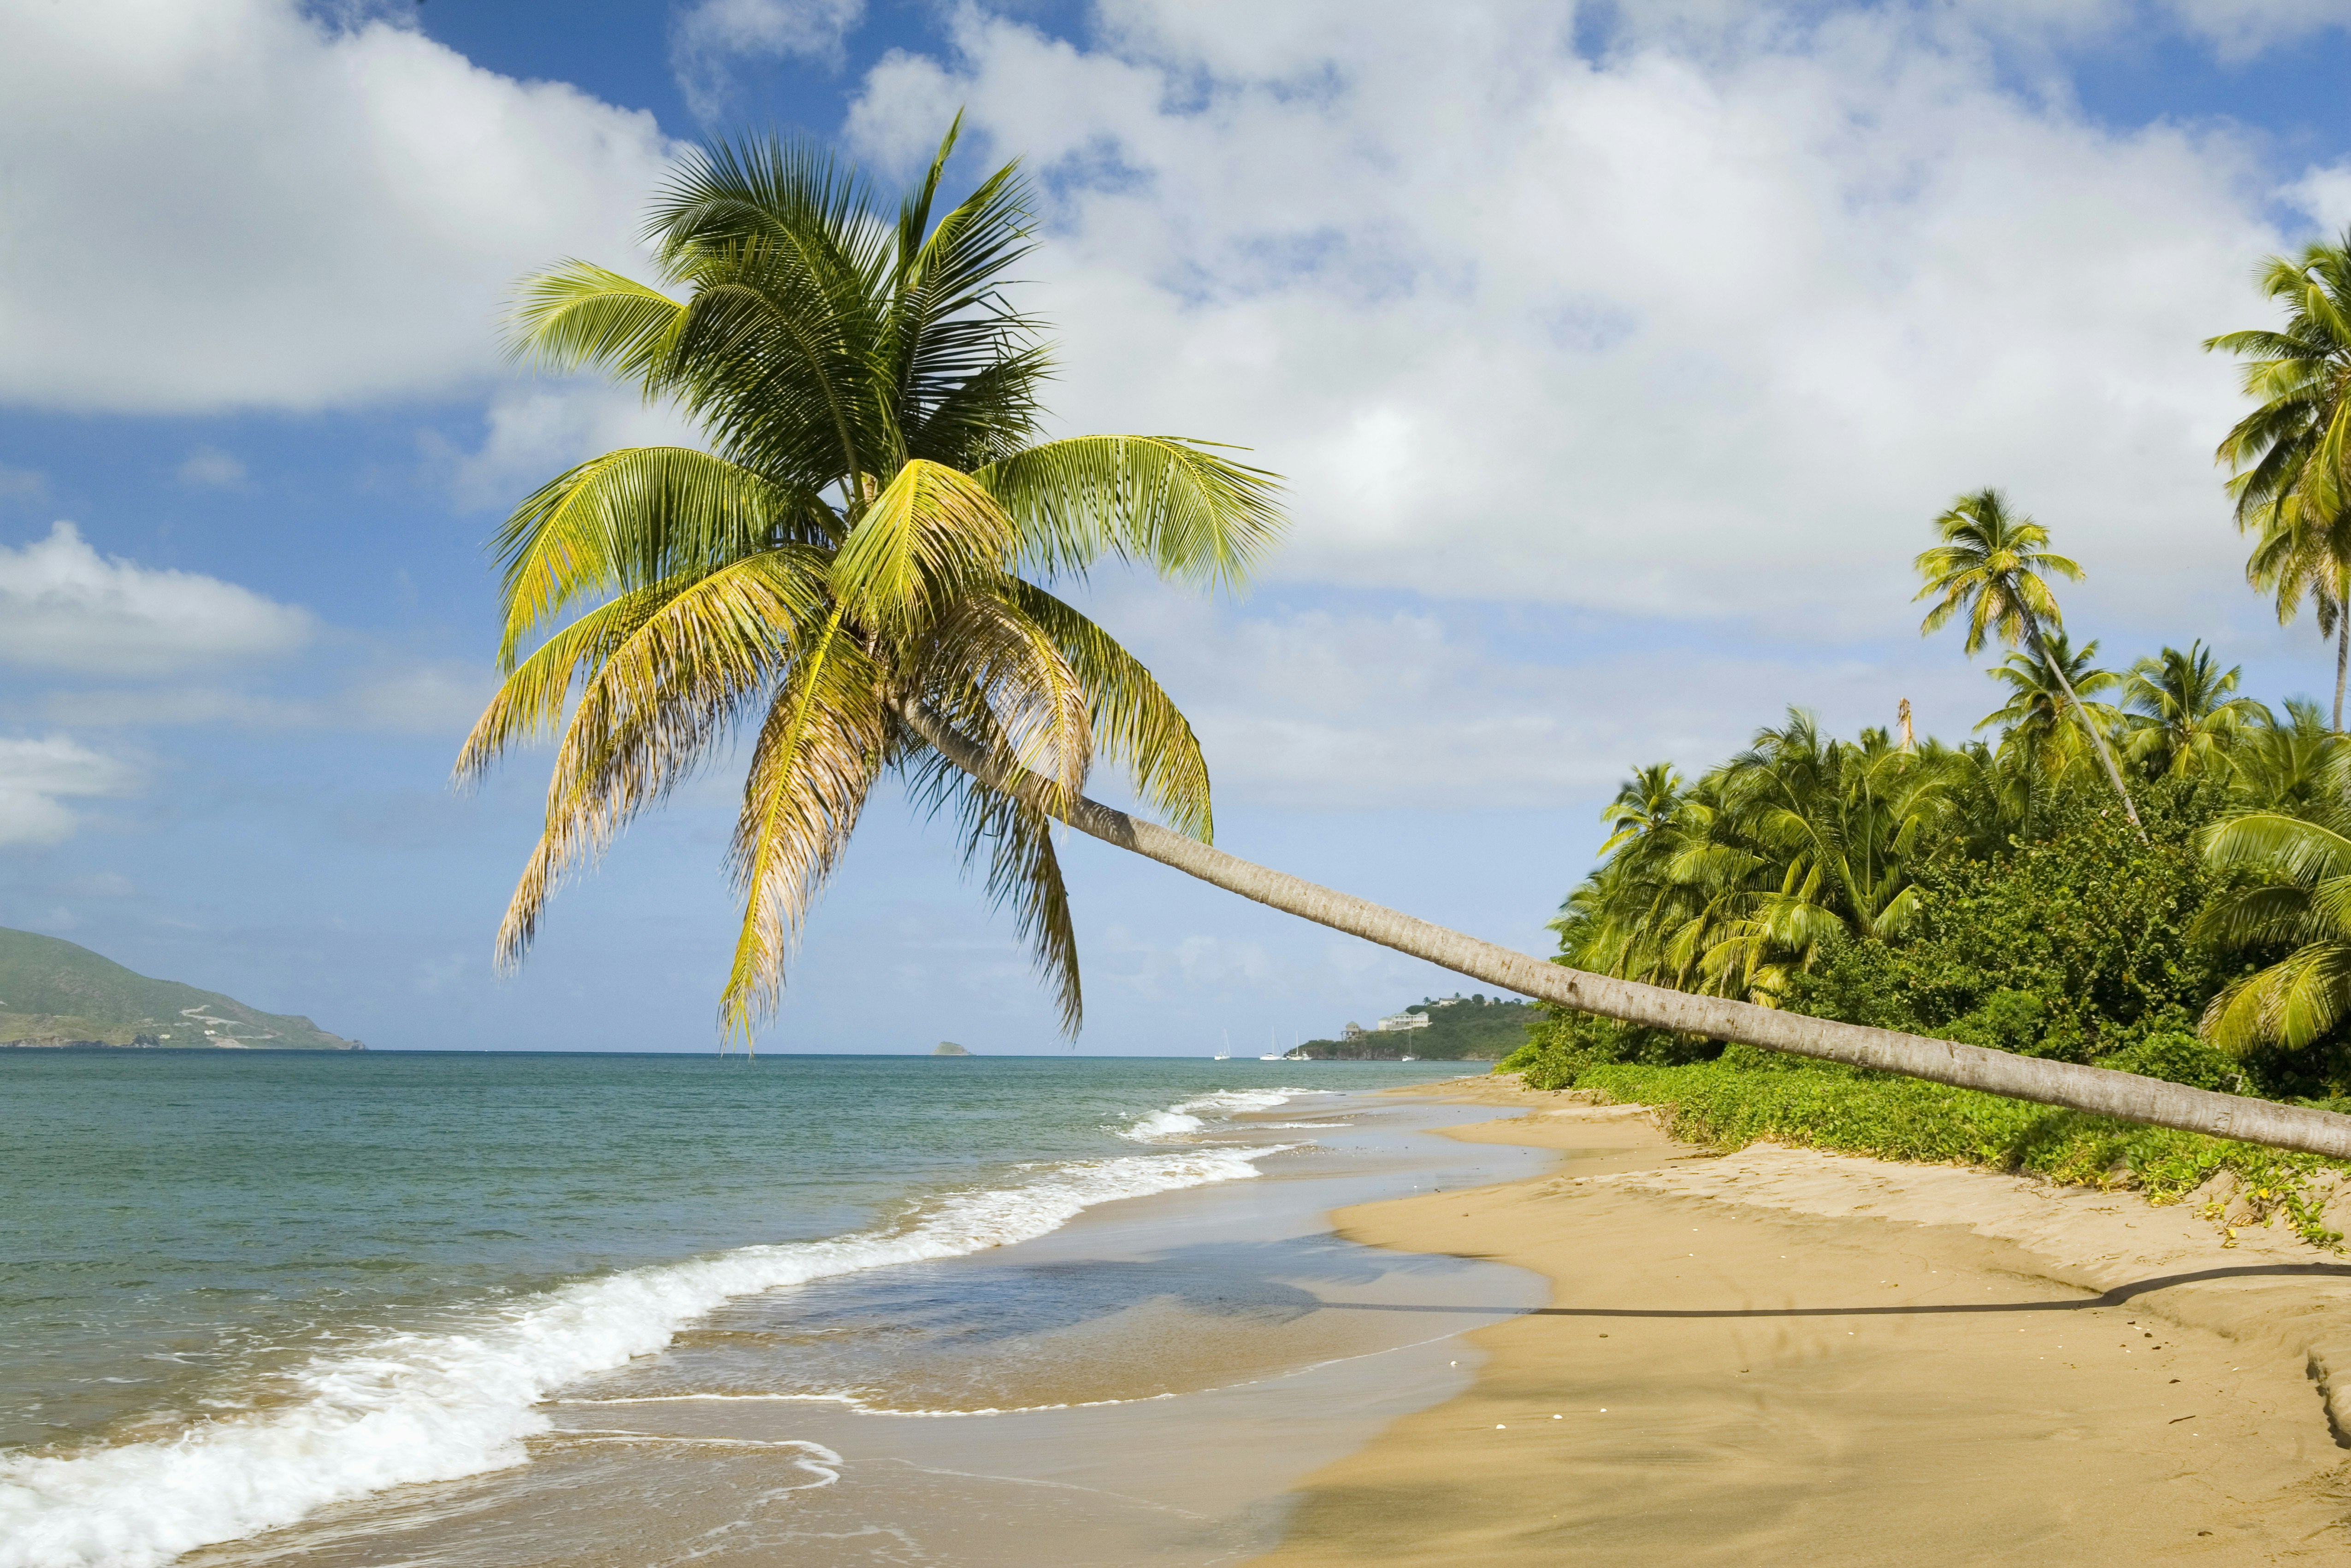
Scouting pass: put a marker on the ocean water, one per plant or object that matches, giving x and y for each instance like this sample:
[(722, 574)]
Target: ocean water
[(237, 1290)]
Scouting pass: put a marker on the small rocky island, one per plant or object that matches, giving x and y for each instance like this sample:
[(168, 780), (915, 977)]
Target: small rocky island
[(948, 1047)]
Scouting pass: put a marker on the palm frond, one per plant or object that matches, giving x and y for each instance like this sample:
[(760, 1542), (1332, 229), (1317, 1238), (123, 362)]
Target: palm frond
[(821, 747), (635, 517), (1174, 504)]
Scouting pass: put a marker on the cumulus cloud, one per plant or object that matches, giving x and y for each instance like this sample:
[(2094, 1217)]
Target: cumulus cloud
[(38, 777), (1447, 709), (711, 35), (65, 607), (1706, 327), (344, 203), (533, 434)]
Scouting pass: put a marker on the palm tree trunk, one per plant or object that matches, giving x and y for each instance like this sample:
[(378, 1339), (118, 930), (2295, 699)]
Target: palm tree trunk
[(2096, 1090), (2342, 652), (2114, 774)]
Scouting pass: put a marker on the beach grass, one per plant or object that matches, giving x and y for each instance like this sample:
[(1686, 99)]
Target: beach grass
[(1733, 1101)]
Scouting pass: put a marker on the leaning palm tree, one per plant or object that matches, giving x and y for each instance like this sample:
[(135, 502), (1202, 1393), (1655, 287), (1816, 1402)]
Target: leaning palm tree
[(853, 576), (2186, 717), (2290, 457), (1995, 566)]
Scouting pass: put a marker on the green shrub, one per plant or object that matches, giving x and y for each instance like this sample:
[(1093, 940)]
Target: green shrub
[(1731, 1103)]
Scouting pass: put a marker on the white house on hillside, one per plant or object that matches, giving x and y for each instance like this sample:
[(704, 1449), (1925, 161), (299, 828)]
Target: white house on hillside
[(1402, 1020)]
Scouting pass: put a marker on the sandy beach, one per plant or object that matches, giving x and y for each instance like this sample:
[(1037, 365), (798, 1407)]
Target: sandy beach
[(1785, 1356)]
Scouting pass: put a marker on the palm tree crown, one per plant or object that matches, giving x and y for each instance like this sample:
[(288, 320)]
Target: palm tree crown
[(856, 562), (2032, 723), (1995, 565), (2185, 716), (2290, 459)]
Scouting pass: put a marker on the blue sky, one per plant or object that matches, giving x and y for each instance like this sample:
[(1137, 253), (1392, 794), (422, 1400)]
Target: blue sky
[(1616, 359)]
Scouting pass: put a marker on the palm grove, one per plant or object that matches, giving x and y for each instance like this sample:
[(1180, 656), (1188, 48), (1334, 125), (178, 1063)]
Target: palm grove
[(2141, 867), (855, 576)]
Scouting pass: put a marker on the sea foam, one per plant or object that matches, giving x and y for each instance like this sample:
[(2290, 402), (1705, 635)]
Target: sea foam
[(433, 1407), (1178, 1122)]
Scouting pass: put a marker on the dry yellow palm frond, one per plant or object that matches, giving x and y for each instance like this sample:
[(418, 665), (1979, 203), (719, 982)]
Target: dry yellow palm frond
[(983, 649), (824, 740), (1135, 722), (648, 708)]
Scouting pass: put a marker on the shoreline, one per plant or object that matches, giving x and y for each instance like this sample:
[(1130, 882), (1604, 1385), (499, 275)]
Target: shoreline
[(1781, 1355), (1143, 1383)]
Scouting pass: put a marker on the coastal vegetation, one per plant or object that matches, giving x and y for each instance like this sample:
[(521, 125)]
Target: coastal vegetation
[(54, 993), (856, 576), (1476, 1027), (2157, 884)]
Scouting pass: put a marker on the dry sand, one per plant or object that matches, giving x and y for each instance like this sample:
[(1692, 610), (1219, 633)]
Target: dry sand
[(1785, 1356)]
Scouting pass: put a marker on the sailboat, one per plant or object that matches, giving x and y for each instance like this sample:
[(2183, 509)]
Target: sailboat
[(1272, 1055), (1225, 1054)]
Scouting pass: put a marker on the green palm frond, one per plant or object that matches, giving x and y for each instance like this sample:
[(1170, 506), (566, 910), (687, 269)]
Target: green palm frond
[(1177, 506), (933, 536), (1133, 721), (2288, 847), (578, 314), (647, 712), (636, 517)]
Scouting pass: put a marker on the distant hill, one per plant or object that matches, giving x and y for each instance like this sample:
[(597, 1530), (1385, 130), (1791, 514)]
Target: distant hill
[(55, 993), (1462, 1029)]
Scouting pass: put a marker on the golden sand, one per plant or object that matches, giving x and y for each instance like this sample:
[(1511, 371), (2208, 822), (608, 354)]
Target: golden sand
[(1782, 1356)]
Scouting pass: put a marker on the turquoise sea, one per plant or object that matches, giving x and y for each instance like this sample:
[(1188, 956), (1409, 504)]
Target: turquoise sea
[(238, 1289)]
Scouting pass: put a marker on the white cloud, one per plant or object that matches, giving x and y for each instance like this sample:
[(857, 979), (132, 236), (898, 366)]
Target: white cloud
[(63, 606), (344, 207), (1683, 332), (2242, 29), (210, 466), (1434, 708), (535, 433), (442, 699), (38, 778), (711, 33), (2326, 194)]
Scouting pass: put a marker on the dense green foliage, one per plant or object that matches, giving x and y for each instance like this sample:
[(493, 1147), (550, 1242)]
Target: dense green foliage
[(1469, 1029), (1995, 893), (52, 990)]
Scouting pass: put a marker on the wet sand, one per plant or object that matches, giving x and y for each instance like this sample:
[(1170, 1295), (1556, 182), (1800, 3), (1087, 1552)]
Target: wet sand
[(1785, 1356)]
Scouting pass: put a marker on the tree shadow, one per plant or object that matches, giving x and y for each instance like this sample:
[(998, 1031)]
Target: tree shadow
[(2119, 1296)]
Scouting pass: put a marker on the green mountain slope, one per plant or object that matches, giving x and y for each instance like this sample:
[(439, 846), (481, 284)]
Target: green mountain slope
[(1460, 1029), (55, 993)]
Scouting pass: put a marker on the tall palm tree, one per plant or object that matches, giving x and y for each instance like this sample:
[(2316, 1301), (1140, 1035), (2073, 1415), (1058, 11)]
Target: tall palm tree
[(1995, 565), (2185, 716), (2290, 459), (848, 577), (2296, 557), (2298, 768), (2033, 725)]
